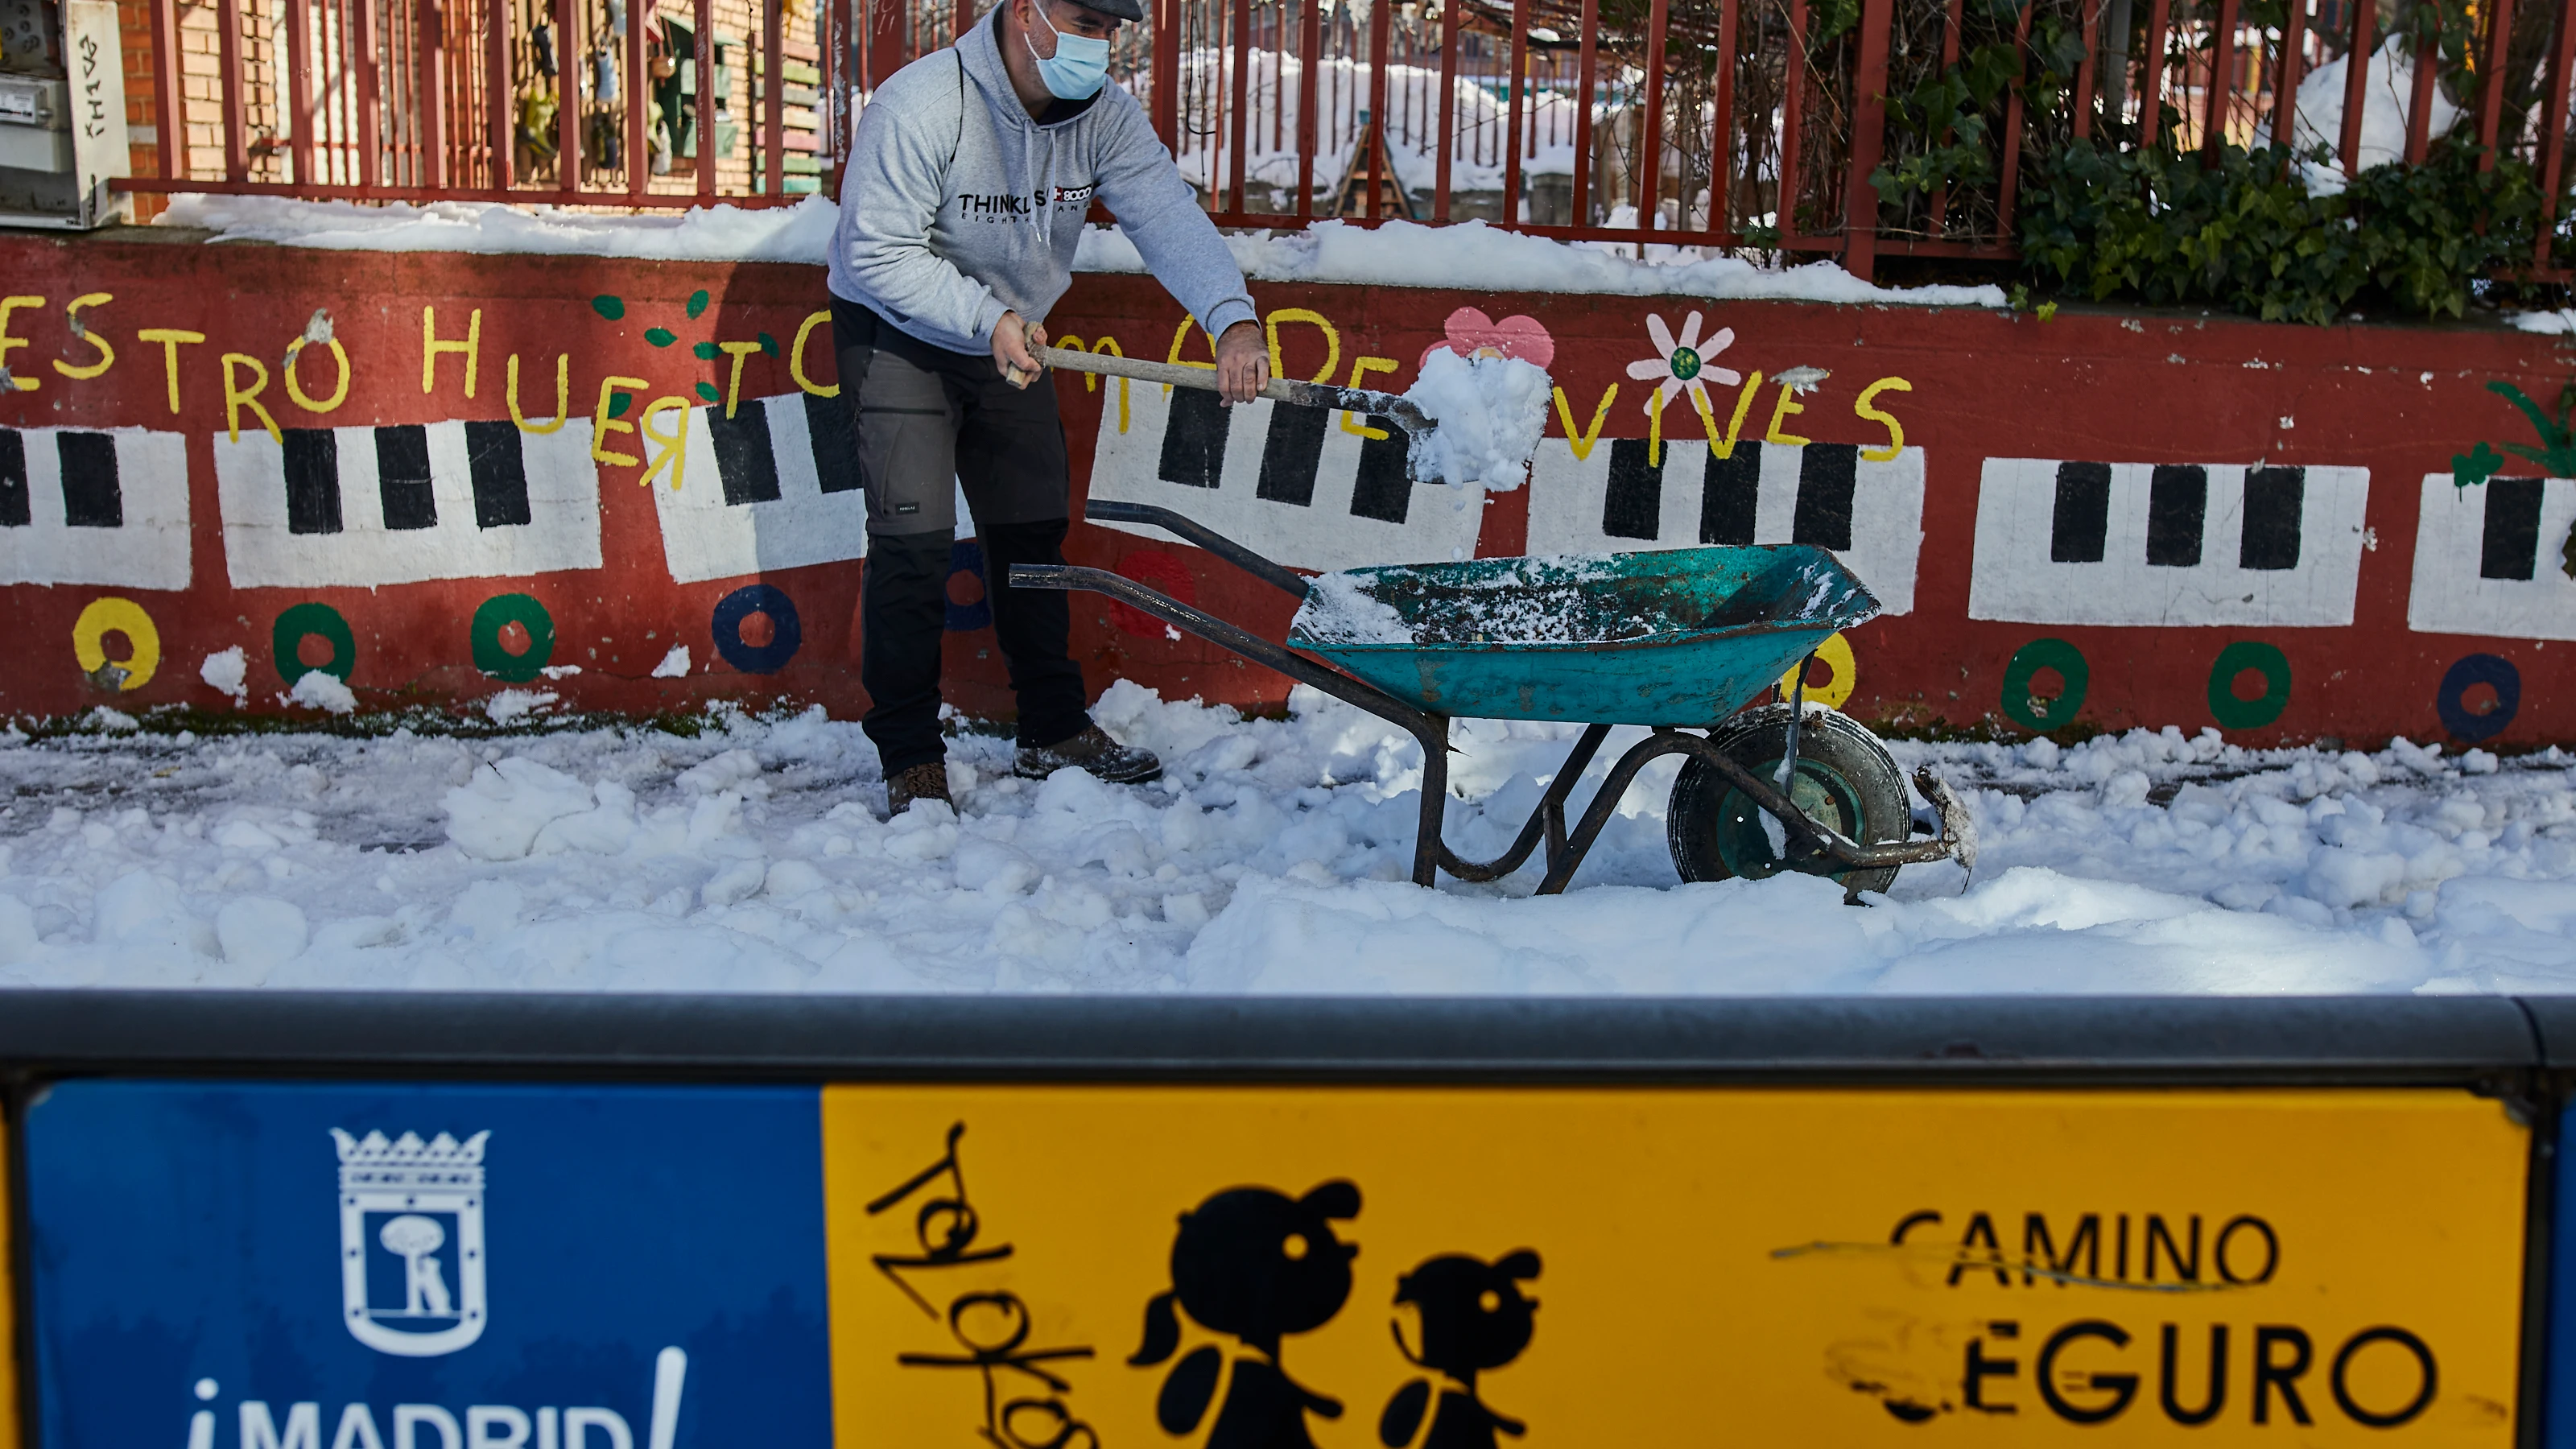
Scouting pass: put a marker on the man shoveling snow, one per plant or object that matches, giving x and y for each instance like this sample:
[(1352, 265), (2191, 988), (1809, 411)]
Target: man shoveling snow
[(969, 179)]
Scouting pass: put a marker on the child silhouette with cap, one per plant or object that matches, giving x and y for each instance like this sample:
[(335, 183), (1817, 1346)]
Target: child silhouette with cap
[(1258, 1265)]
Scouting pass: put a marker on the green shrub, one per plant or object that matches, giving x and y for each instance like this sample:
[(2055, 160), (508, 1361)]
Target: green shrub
[(2244, 234)]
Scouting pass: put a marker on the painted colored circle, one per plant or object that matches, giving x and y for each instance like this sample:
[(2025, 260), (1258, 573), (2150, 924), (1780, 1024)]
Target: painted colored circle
[(312, 618), (2042, 716), (499, 612), (2248, 714), (1836, 654), (786, 635), (119, 616), (2496, 673), (1686, 364), (966, 556)]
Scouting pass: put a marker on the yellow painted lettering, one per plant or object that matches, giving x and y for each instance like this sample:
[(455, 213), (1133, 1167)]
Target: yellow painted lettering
[(1181, 337), (1360, 369), (1110, 346), (1725, 447), (9, 344), (431, 347), (733, 387), (295, 390), (674, 457), (601, 424), (1895, 430), (106, 353), (563, 394), (1787, 404), (796, 357), (1582, 442), (171, 340), (1286, 315), (235, 398)]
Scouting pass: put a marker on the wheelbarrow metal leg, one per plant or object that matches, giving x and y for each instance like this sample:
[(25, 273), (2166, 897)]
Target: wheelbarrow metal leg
[(1547, 822), (1606, 800), (1427, 844)]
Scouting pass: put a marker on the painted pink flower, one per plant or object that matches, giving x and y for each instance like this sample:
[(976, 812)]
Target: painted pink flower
[(1473, 334)]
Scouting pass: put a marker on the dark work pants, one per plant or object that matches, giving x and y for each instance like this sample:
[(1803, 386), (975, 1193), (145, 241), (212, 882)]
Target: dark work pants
[(929, 423)]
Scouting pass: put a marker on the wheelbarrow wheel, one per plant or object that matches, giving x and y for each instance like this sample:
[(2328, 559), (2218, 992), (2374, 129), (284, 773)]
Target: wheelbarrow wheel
[(1846, 780)]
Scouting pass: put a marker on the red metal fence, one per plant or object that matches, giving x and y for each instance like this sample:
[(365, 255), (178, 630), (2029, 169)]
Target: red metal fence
[(1694, 124)]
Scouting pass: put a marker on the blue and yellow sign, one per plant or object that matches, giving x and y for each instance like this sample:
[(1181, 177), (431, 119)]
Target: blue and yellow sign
[(450, 1267), (1363, 1268), (306, 1266)]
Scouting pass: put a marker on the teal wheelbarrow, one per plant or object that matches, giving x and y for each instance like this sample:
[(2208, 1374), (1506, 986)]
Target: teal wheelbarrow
[(1677, 640)]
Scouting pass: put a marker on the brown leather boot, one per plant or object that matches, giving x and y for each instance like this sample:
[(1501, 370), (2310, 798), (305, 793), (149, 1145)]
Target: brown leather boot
[(921, 782), (1091, 750)]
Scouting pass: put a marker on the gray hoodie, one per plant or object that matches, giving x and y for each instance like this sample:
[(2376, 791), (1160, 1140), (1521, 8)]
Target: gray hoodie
[(958, 206)]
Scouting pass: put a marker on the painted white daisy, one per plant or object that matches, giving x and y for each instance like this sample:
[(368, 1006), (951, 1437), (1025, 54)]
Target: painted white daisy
[(1684, 365)]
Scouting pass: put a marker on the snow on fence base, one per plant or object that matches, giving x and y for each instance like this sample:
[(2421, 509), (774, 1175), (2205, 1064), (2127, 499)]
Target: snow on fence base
[(2102, 520), (1911, 1211)]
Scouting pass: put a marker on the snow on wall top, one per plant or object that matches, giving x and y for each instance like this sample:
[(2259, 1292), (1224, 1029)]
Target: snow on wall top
[(1397, 253)]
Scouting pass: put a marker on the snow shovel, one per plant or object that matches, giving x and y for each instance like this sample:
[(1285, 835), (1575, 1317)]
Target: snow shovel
[(1400, 411)]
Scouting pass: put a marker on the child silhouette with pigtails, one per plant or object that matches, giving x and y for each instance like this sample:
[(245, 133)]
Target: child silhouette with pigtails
[(1258, 1265)]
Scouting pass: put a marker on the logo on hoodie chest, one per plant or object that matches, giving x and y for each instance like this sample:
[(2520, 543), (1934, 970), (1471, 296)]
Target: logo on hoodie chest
[(1006, 206)]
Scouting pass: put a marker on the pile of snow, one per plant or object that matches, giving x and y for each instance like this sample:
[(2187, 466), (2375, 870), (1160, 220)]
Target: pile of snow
[(227, 672), (317, 689), (1339, 609), (799, 233), (1490, 412), (1271, 858), (2388, 99), (1399, 254), (1471, 253)]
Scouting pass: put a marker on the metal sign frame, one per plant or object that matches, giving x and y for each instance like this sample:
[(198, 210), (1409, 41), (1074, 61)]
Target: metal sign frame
[(2520, 1051)]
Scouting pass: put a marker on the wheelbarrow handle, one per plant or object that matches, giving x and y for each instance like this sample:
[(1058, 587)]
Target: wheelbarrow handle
[(1101, 510)]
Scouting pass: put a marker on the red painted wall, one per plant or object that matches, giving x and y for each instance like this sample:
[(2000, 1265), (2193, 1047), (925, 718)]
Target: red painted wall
[(2349, 421)]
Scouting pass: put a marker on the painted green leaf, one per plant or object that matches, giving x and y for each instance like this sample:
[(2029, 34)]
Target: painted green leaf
[(708, 391), (697, 301), (706, 350), (618, 403), (661, 336), (608, 306), (769, 344), (2475, 466)]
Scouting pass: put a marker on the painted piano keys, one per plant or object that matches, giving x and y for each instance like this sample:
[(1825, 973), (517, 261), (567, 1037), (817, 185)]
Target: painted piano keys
[(94, 506), (1310, 487), (404, 503), (2078, 542), (774, 486), (2489, 560), (1627, 495)]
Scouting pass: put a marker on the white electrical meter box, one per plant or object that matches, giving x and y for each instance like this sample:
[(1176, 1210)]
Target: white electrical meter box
[(62, 114)]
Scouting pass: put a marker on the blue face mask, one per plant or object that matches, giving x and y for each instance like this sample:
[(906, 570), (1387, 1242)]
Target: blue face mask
[(1078, 67)]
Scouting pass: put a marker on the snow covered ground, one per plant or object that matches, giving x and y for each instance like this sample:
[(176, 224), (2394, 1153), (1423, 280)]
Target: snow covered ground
[(1270, 859)]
